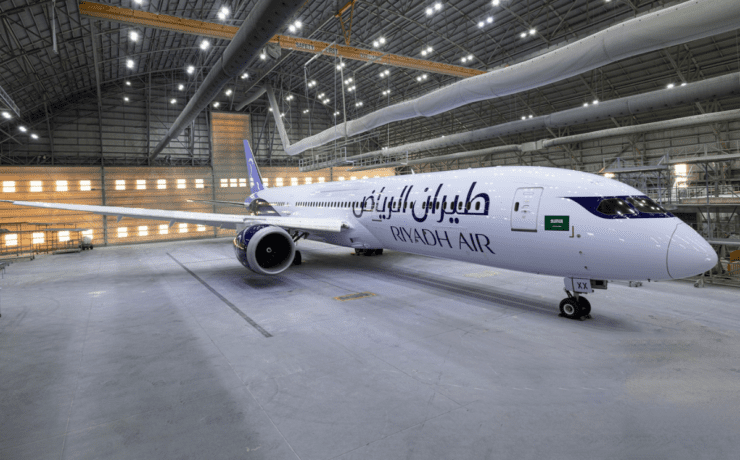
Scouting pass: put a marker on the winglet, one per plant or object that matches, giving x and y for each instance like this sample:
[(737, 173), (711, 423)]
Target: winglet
[(255, 180)]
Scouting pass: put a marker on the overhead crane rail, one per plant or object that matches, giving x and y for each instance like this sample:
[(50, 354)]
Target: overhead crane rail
[(305, 45)]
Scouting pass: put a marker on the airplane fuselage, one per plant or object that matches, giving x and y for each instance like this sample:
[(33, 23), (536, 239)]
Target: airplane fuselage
[(529, 219)]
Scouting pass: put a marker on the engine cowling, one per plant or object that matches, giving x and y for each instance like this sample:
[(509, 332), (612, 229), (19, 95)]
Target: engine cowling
[(264, 249)]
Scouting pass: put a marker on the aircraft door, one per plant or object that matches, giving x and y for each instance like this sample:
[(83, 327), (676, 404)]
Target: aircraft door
[(525, 209)]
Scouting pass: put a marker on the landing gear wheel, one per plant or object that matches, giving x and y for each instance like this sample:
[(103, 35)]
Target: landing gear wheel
[(585, 306), (571, 308), (297, 259)]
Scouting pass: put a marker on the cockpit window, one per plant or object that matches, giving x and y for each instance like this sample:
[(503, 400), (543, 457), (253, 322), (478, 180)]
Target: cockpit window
[(615, 207), (645, 204)]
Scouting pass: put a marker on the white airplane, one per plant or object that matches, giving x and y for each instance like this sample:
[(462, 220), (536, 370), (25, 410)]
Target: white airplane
[(582, 227)]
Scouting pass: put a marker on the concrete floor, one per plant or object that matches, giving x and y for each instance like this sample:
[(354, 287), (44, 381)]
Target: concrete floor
[(174, 350)]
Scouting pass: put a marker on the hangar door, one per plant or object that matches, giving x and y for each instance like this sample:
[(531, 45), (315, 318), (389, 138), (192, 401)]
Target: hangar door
[(524, 209)]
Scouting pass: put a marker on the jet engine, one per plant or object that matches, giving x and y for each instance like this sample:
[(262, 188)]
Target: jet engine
[(264, 249)]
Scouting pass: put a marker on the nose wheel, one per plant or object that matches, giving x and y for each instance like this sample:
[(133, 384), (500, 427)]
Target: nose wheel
[(575, 307)]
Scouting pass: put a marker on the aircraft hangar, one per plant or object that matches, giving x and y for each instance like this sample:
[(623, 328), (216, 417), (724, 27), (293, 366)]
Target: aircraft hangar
[(126, 337)]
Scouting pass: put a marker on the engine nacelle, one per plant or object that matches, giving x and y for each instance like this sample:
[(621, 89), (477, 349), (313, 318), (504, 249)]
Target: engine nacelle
[(264, 249)]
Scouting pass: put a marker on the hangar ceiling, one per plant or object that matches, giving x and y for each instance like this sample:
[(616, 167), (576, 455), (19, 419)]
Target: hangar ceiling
[(49, 50)]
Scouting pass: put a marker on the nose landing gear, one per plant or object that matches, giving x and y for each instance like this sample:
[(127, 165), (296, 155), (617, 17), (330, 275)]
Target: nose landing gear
[(575, 306)]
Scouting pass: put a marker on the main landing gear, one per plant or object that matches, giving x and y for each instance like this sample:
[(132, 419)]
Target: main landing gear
[(368, 252), (575, 306)]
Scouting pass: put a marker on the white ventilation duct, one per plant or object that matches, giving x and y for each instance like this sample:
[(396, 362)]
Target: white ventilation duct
[(671, 26), (630, 105)]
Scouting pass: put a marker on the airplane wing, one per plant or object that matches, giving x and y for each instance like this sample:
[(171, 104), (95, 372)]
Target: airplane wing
[(204, 218)]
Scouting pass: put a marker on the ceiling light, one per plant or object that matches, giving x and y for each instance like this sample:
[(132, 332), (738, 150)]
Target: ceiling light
[(263, 56), (298, 24), (173, 101), (125, 98), (245, 75), (358, 104), (190, 69), (585, 104), (128, 83), (523, 117), (320, 96), (282, 114), (181, 87), (381, 40), (530, 115), (223, 13), (464, 59), (216, 104), (305, 111), (130, 63), (489, 19), (7, 115), (22, 128), (532, 31), (523, 35), (228, 92), (292, 28), (204, 45), (496, 2), (670, 85), (336, 113), (423, 52), (138, 2), (596, 101), (133, 36), (429, 49), (429, 11), (34, 136), (683, 84), (270, 109), (376, 44), (481, 24), (340, 66), (470, 57), (437, 6)]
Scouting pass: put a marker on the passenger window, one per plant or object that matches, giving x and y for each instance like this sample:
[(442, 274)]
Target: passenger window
[(516, 206), (477, 206), (467, 206), (615, 207), (459, 205)]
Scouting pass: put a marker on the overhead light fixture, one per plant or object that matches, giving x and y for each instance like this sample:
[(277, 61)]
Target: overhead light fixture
[(382, 40), (22, 128), (173, 101), (133, 36), (496, 2), (385, 73), (216, 104), (245, 75), (595, 102), (130, 63), (306, 111), (430, 11), (523, 35), (376, 43), (340, 66), (34, 136), (298, 24), (523, 117), (204, 45), (125, 99), (336, 113), (138, 2), (190, 69), (481, 24), (386, 92), (470, 57), (128, 83), (683, 84), (464, 59), (228, 92), (348, 81), (437, 6), (585, 104), (530, 115), (263, 56), (181, 87), (670, 85), (358, 104), (292, 28), (320, 96), (532, 31), (7, 115), (223, 13), (489, 19)]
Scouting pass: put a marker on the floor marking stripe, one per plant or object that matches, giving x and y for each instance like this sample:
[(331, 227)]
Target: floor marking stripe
[(224, 299)]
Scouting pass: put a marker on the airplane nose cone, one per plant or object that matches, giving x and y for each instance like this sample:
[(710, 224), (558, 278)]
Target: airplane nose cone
[(688, 253)]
